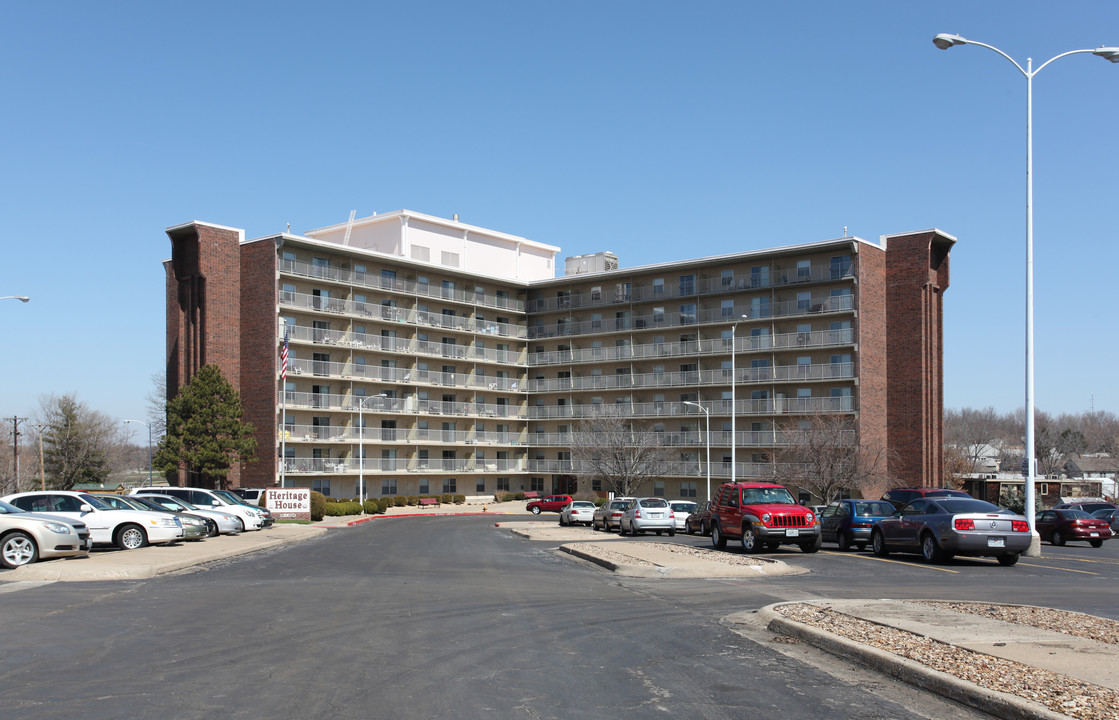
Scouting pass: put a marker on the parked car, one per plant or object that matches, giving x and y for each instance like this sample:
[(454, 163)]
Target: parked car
[(682, 509), (251, 518), (699, 522), (552, 503), (609, 515), (577, 511), (1060, 526), (762, 516), (647, 514), (1111, 516), (849, 522), (1088, 505), (900, 497), (250, 495), (126, 529), (221, 523), (28, 537), (194, 528), (264, 513), (940, 527)]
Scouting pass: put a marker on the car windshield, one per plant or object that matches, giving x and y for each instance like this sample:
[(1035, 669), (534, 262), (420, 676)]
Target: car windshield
[(6, 509), (94, 502), (968, 505), (684, 507), (767, 496), (653, 503), (173, 503), (619, 504), (582, 504), (874, 508), (230, 497)]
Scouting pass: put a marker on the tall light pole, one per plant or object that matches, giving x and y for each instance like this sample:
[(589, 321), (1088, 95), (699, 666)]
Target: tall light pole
[(361, 445), (707, 417), (945, 41), (733, 408), (149, 427)]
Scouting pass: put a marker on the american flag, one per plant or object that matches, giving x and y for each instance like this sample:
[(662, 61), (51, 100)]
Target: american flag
[(284, 358)]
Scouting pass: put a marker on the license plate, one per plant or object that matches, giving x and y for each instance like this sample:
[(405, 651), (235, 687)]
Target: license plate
[(655, 515), (792, 533), (996, 542), (1093, 534)]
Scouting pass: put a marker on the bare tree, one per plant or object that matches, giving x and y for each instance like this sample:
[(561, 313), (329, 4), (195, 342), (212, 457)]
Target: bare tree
[(827, 456), (79, 444), (971, 431), (609, 447), (157, 405)]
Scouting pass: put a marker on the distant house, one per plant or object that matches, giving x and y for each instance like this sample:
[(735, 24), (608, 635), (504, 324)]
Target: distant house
[(1096, 467), (1003, 489)]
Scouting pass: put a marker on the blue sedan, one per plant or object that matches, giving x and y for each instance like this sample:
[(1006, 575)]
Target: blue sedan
[(939, 528), (849, 522)]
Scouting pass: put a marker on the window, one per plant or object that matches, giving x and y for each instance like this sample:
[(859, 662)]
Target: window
[(425, 489), (321, 485), (687, 284), (727, 308), (503, 484), (726, 277), (287, 294), (688, 314), (759, 307), (658, 488), (658, 286), (480, 486), (658, 314), (840, 266), (388, 486), (804, 301), (450, 485), (421, 253), (688, 489), (759, 276), (804, 270), (536, 484)]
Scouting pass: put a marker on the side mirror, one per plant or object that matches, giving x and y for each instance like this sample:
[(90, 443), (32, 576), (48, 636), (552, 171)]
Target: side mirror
[(86, 507)]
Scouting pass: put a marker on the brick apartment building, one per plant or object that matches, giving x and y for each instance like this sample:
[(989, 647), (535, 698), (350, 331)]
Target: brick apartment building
[(457, 360)]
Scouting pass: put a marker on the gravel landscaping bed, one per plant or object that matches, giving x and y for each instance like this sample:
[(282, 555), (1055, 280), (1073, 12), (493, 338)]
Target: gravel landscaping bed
[(716, 556), (1059, 693)]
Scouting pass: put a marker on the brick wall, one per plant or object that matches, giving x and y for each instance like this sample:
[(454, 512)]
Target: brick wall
[(916, 278), (260, 357), (871, 359)]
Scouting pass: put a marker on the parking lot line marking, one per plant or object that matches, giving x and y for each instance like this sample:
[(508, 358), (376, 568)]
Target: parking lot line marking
[(900, 562), (1054, 567), (1082, 560)]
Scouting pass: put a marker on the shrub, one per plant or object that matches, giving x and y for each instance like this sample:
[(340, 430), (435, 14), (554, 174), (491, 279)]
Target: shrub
[(460, 499), (329, 499), (413, 500), (519, 496), (446, 498), (384, 504), (400, 501), (372, 507), (318, 506), (343, 508)]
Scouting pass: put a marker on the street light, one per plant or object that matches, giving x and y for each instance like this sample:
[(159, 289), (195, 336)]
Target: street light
[(149, 427), (945, 41), (361, 445), (733, 409), (708, 420), (21, 298)]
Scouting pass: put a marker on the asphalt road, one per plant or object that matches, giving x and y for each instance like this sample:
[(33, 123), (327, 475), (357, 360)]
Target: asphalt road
[(442, 617)]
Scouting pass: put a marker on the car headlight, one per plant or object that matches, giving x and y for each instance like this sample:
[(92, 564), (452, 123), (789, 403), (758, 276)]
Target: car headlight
[(167, 522), (60, 528), (191, 521), (811, 520), (765, 518)]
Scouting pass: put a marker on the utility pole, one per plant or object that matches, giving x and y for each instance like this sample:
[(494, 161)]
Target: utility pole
[(16, 420), (42, 467)]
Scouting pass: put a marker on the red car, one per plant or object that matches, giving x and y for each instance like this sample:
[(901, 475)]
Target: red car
[(552, 503), (1060, 526)]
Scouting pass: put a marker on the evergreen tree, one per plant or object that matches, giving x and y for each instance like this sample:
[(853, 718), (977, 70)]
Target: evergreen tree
[(205, 431)]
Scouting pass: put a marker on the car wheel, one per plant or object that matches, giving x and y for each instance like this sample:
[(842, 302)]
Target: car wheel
[(240, 525), (562, 523), (131, 537), (688, 529), (842, 541), (750, 541), (659, 533), (536, 510), (1058, 538), (718, 540), (18, 549), (211, 528), (1096, 543), (704, 529), (621, 529), (1008, 559), (811, 547), (878, 544), (930, 551), (672, 533)]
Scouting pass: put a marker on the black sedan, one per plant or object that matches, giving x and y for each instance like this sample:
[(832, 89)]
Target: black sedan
[(939, 528)]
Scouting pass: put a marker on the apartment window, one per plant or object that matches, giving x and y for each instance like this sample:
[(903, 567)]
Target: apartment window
[(503, 484), (840, 266), (421, 253), (687, 284), (621, 320), (658, 314), (759, 307), (658, 488), (596, 293), (320, 299), (726, 308), (449, 486), (289, 256), (563, 299), (536, 483), (480, 486), (688, 489), (726, 278), (321, 485), (759, 276), (687, 314), (425, 488), (658, 286), (287, 294), (804, 270), (804, 301), (319, 266), (388, 486), (596, 321)]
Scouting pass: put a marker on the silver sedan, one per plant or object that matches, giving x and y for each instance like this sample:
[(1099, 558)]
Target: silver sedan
[(941, 527), (648, 514)]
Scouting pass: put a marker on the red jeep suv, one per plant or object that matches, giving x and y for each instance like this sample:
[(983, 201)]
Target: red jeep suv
[(552, 503), (762, 515)]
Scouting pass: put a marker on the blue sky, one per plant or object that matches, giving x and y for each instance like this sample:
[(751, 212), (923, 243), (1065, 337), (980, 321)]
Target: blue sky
[(656, 130)]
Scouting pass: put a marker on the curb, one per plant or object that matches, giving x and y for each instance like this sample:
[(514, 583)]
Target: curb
[(992, 702)]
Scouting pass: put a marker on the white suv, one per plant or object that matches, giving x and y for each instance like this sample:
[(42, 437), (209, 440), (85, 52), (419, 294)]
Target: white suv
[(208, 499), (127, 529)]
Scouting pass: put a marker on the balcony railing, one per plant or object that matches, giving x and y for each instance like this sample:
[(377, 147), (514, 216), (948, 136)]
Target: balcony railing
[(743, 375), (391, 284)]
